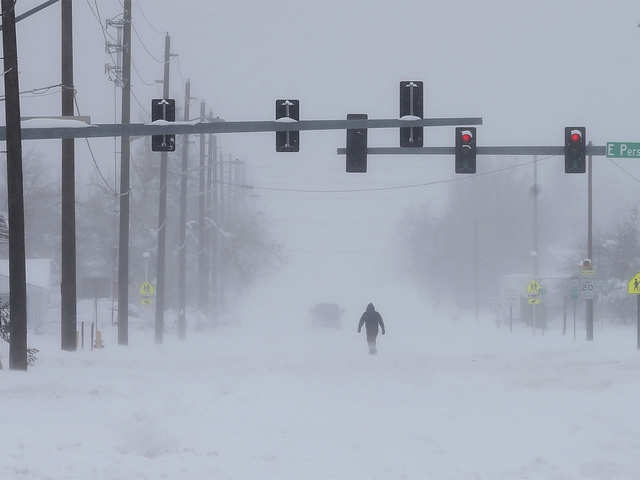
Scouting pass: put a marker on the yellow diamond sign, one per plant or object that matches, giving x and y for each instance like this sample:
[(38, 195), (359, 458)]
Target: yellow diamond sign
[(634, 285), (147, 289), (534, 287)]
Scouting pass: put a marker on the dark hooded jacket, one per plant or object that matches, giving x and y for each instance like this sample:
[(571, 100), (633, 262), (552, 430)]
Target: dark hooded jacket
[(371, 319)]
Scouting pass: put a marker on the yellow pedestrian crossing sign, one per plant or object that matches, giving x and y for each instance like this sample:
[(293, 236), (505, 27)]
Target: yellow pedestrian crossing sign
[(147, 289), (533, 289), (634, 285)]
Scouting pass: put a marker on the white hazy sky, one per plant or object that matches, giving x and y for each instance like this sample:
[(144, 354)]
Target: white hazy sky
[(528, 68)]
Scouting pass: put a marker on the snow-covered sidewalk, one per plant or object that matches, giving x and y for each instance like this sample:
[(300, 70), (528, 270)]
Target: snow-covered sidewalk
[(465, 403)]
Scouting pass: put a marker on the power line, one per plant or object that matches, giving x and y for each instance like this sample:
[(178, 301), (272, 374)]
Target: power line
[(179, 69), (146, 19), (37, 91), (142, 107), (93, 157), (378, 189), (145, 82), (105, 34), (624, 170), (144, 45)]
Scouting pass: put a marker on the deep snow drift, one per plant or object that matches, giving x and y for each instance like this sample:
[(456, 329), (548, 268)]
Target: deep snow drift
[(442, 400)]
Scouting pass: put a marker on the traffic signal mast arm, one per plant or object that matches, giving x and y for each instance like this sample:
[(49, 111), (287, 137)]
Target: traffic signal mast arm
[(595, 150), (146, 129)]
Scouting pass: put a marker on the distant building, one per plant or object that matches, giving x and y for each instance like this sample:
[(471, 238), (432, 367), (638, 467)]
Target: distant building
[(38, 288)]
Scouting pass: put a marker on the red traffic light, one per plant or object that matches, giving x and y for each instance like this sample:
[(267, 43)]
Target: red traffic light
[(466, 138), (576, 137)]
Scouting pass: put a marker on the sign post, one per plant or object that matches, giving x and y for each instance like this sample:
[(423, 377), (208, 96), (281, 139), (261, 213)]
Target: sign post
[(534, 290), (634, 289)]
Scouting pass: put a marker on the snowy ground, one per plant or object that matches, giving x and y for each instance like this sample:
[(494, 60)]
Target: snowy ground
[(255, 403)]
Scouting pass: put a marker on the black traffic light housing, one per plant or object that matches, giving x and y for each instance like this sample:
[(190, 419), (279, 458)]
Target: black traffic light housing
[(163, 109), (357, 145), (466, 150), (575, 150), (288, 110), (411, 105)]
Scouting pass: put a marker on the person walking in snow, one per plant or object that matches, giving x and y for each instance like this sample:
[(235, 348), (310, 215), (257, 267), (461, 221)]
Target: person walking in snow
[(371, 320)]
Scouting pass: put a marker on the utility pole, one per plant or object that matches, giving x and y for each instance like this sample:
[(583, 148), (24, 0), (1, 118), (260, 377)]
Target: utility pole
[(203, 274), (589, 301), (162, 211), (222, 225), (125, 153), (17, 274), (534, 252), (182, 240), (68, 191), (212, 231), (476, 250)]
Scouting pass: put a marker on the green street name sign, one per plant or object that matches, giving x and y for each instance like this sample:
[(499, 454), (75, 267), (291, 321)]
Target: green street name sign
[(623, 150)]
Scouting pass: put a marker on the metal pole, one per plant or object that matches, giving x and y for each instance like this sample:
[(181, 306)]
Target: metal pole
[(17, 275), (510, 317), (212, 231), (476, 248), (203, 278), (68, 219), (535, 234), (182, 242), (564, 315), (125, 153), (638, 321), (162, 211), (475, 267), (207, 220), (589, 301), (222, 241)]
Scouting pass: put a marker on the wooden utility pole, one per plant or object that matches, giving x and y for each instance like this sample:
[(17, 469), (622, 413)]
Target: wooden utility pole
[(125, 156), (68, 191), (17, 274), (203, 253), (182, 240), (210, 216), (162, 211)]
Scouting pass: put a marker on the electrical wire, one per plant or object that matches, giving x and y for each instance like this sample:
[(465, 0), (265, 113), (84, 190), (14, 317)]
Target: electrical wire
[(146, 19), (142, 107), (179, 69), (379, 189), (93, 157), (98, 17), (624, 170), (144, 45), (144, 82), (37, 91)]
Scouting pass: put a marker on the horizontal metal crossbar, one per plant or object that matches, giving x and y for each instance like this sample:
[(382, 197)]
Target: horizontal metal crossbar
[(141, 129), (596, 150)]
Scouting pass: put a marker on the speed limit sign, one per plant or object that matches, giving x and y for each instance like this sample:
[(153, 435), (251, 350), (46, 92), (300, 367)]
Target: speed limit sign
[(588, 288)]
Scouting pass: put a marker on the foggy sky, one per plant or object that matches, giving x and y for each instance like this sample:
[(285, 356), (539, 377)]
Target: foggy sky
[(528, 69)]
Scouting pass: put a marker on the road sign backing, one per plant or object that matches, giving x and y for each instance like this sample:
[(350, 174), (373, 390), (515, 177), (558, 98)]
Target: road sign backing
[(634, 285)]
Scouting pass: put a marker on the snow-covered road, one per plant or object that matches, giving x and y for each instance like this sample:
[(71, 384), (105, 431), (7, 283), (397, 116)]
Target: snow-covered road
[(246, 403)]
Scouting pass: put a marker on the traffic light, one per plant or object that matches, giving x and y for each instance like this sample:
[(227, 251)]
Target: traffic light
[(575, 150), (288, 111), (163, 109), (357, 145), (411, 107), (465, 150)]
